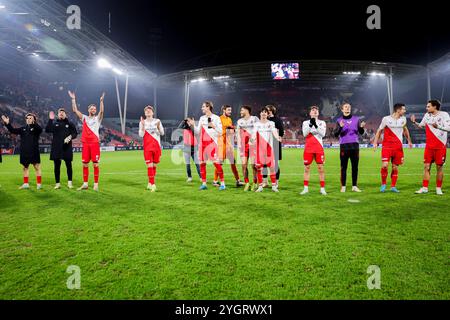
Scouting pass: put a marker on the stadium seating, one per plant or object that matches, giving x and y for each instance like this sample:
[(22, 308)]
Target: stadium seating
[(20, 100)]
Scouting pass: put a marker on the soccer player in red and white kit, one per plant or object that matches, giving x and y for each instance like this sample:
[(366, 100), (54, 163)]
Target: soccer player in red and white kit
[(393, 126), (245, 127), (209, 128), (437, 124), (90, 138), (263, 134), (314, 131), (151, 130)]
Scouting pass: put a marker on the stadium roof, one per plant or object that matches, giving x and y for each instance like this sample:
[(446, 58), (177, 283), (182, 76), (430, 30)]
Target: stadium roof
[(37, 28), (320, 72), (441, 65)]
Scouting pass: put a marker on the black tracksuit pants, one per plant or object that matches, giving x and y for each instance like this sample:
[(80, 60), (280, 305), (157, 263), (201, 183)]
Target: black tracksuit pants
[(349, 152)]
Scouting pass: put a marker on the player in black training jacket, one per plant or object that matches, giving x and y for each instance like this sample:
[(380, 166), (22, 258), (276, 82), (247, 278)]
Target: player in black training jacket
[(29, 147), (63, 132)]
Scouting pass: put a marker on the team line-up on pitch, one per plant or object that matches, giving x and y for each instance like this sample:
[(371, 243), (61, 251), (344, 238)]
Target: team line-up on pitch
[(212, 139)]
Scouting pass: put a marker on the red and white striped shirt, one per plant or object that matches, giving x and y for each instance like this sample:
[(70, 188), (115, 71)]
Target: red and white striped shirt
[(246, 128), (209, 134), (313, 136), (393, 132), (91, 127), (436, 137), (264, 133), (151, 133)]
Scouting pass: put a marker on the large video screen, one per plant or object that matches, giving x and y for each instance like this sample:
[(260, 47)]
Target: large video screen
[(285, 71)]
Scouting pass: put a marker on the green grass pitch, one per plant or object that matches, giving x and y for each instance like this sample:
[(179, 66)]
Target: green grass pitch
[(180, 243)]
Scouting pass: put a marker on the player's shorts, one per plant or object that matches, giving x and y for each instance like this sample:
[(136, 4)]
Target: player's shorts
[(265, 157), (27, 160), (90, 152), (208, 151), (152, 155), (309, 157), (395, 156), (247, 151), (263, 161), (435, 155), (227, 154)]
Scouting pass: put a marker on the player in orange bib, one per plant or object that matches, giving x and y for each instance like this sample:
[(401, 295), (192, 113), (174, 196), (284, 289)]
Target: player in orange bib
[(90, 138), (226, 145)]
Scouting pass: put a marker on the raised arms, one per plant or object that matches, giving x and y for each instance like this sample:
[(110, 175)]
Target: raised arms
[(74, 105), (102, 107), (8, 125)]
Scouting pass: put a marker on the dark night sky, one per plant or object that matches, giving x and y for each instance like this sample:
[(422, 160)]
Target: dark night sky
[(231, 32)]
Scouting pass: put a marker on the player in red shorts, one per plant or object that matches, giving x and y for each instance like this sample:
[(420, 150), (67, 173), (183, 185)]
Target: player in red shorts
[(393, 126), (436, 124), (263, 135), (90, 138), (209, 128), (151, 130), (226, 145), (245, 127), (314, 130)]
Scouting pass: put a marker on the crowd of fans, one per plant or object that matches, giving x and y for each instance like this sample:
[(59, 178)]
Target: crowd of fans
[(293, 109), (16, 100)]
